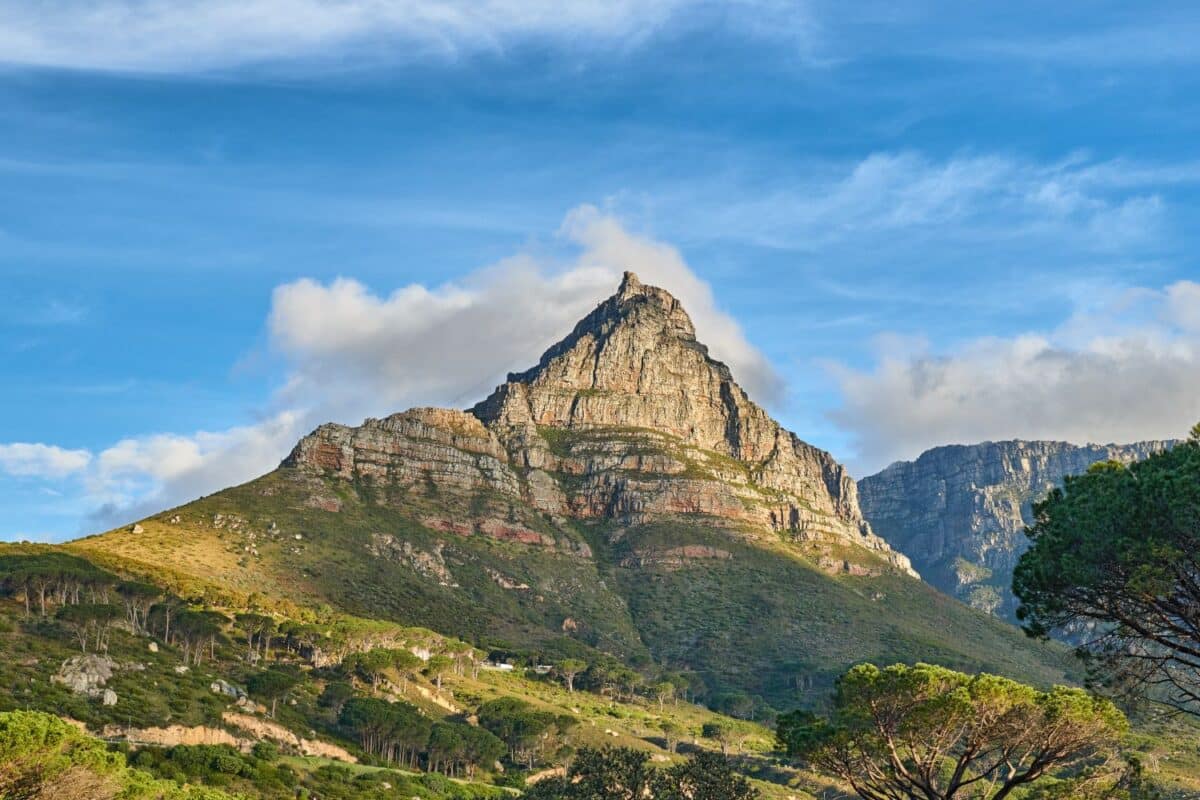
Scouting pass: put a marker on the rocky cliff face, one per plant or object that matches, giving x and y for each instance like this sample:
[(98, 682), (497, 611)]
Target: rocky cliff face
[(959, 512), (626, 419)]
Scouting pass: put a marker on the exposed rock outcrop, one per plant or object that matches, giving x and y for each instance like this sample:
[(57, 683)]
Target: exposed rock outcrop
[(960, 512), (86, 674), (627, 419)]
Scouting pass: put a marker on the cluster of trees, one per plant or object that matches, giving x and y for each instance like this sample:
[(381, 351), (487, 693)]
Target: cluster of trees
[(399, 733), (91, 602), (1116, 552), (377, 662), (54, 579), (624, 774), (934, 733), (609, 677), (531, 737)]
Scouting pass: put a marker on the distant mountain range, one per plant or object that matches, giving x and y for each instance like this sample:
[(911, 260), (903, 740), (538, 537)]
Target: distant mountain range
[(960, 511)]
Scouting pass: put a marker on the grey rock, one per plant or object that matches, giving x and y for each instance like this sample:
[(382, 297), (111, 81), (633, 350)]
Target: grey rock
[(960, 512), (109, 698), (86, 674)]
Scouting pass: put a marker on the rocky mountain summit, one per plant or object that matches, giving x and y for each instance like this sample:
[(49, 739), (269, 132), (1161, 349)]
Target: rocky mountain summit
[(960, 512), (627, 419)]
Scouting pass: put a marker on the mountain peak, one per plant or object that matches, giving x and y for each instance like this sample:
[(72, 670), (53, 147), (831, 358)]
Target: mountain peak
[(628, 418), (633, 361), (630, 284)]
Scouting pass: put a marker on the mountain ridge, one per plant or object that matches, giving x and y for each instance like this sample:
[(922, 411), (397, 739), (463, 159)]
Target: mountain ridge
[(959, 511)]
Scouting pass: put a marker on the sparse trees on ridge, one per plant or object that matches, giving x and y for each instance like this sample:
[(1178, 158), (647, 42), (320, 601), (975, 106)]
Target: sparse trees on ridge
[(89, 621), (53, 578), (569, 668)]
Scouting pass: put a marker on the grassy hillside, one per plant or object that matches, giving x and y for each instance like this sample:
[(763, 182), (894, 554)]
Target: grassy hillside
[(155, 696), (766, 621), (158, 696), (750, 613)]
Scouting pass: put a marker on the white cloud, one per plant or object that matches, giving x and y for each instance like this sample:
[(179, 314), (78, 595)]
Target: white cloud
[(352, 353), (142, 475), (355, 353), (36, 460), (177, 35), (1118, 371), (1076, 202)]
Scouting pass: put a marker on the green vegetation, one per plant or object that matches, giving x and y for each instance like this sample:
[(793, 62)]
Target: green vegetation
[(377, 558), (339, 680), (930, 732), (41, 756), (1115, 551), (625, 774), (424, 660), (710, 616)]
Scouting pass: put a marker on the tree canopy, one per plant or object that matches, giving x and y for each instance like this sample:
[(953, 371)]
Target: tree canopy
[(1115, 557), (622, 773), (930, 732)]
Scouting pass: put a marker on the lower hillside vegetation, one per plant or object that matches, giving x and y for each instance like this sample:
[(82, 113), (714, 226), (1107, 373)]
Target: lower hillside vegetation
[(44, 758), (189, 688), (930, 732), (621, 773), (249, 703)]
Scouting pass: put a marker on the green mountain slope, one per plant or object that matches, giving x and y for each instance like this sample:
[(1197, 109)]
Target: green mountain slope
[(761, 615)]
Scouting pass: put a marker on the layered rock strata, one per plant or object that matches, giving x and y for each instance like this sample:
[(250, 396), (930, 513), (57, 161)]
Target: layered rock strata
[(628, 419)]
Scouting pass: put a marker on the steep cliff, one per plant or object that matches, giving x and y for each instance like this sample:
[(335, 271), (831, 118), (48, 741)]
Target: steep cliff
[(959, 512)]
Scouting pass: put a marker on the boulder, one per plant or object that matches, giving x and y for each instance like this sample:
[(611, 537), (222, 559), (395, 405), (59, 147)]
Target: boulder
[(109, 698), (86, 674), (228, 689)]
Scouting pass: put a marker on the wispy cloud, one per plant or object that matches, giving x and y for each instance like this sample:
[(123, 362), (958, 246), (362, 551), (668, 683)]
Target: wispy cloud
[(183, 35), (49, 313), (36, 460), (810, 205), (1130, 43)]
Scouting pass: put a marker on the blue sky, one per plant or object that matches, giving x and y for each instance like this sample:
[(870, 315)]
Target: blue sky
[(904, 224)]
